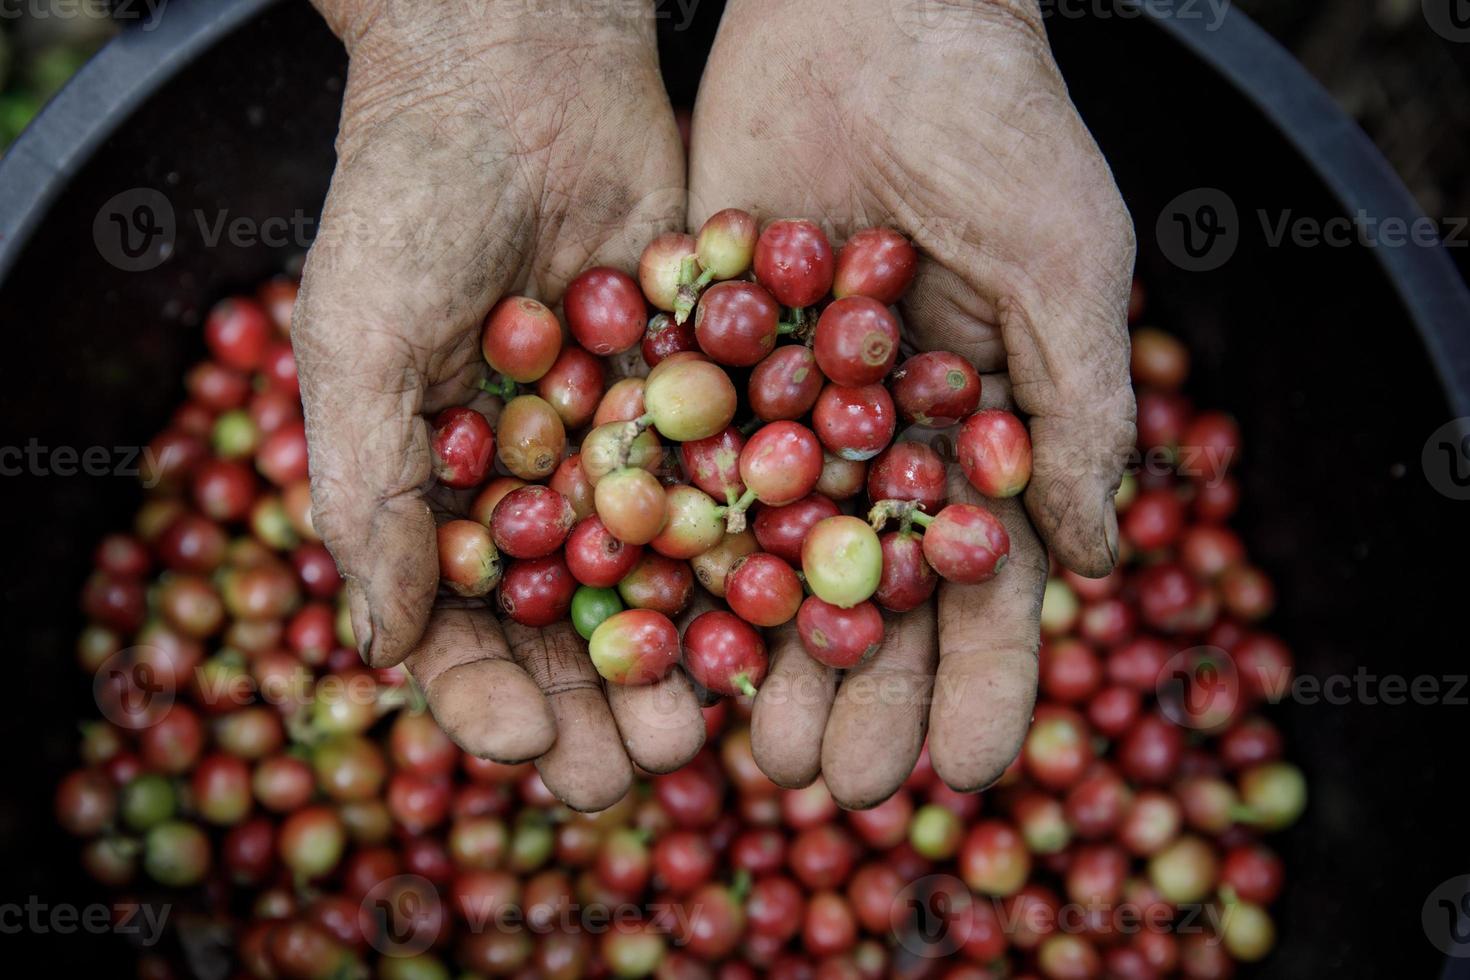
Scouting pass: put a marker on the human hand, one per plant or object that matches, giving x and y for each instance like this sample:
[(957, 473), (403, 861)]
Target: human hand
[(950, 123), (480, 155)]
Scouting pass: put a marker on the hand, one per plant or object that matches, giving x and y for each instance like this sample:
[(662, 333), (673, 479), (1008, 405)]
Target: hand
[(949, 122), (478, 156)]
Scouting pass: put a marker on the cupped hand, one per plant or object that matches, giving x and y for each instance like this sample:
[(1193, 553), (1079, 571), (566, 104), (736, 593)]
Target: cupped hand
[(950, 123), (480, 154)]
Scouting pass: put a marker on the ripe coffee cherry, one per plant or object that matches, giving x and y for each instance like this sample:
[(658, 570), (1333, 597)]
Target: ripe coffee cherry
[(636, 646), (936, 389), (573, 386), (521, 339), (856, 341), (875, 262), (781, 530), (531, 521), (841, 479), (237, 332), (994, 450), (623, 402), (531, 436), (736, 323), (793, 259), (661, 265), (842, 560), (490, 497), (780, 464), (570, 480), (725, 654), (664, 336), (854, 423), (537, 591), (786, 384), (838, 637), (763, 590), (713, 464), (695, 523), (631, 503), (464, 447), (605, 310), (468, 563), (909, 471), (689, 399), (596, 558), (907, 580), (658, 583), (965, 543)]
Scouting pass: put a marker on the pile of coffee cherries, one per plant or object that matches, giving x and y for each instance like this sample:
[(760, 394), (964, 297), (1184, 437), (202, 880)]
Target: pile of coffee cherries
[(666, 490), (303, 817)]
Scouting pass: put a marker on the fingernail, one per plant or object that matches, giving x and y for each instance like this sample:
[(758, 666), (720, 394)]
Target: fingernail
[(362, 620), (1110, 528)]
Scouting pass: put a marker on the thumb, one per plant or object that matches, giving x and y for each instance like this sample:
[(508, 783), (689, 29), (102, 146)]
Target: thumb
[(369, 456), (1065, 348)]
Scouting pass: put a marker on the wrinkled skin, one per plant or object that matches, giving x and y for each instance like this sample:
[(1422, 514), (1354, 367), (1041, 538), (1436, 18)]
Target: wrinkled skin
[(509, 156)]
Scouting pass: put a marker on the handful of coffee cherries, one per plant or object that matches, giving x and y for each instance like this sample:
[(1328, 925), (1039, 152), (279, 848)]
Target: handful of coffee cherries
[(679, 479)]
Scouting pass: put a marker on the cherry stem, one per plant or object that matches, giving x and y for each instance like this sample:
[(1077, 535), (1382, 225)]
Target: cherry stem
[(906, 511), (740, 884), (502, 387), (735, 513), (690, 286), (630, 434), (741, 682)]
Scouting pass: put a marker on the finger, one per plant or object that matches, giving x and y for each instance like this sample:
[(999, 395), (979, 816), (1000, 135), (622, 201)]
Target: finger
[(661, 724), (373, 326), (985, 687), (791, 711), (1054, 316), (479, 696), (877, 724), (587, 768)]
